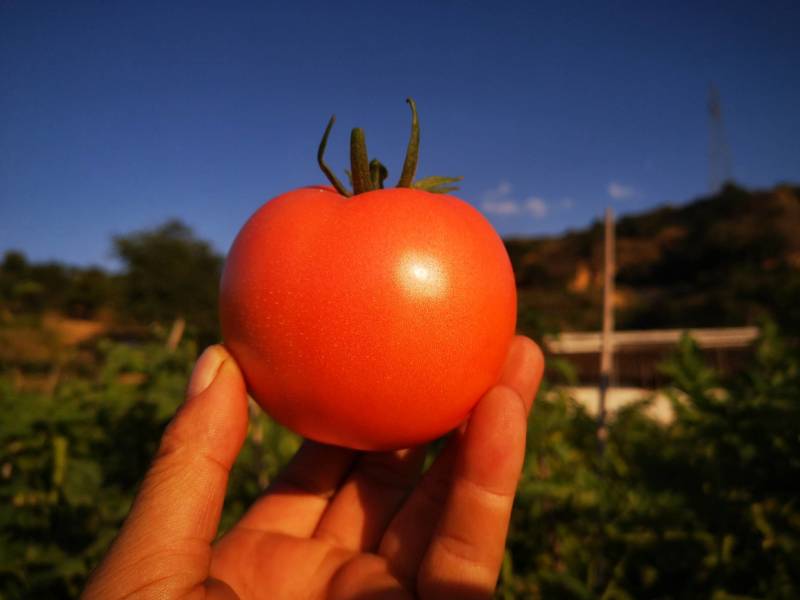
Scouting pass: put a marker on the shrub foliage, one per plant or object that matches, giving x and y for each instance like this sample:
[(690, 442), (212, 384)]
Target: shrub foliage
[(705, 506)]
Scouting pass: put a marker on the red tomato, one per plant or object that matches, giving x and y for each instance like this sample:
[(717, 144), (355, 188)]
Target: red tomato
[(374, 322)]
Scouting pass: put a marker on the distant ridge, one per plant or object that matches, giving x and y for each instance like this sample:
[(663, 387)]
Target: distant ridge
[(729, 259)]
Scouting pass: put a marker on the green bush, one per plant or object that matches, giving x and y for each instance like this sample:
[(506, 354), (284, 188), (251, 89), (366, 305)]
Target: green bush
[(71, 462), (705, 506)]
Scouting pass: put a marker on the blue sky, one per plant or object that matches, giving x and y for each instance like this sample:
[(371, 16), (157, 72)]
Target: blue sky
[(115, 116)]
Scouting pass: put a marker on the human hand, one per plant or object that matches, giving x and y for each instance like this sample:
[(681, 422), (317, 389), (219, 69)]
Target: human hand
[(335, 523)]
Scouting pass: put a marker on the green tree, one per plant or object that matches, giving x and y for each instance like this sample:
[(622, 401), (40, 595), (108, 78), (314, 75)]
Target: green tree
[(90, 291), (169, 273), (31, 288)]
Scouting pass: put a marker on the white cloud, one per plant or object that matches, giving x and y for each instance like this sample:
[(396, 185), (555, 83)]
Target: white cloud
[(620, 191), (499, 200), (500, 192), (536, 206), (501, 207), (503, 189)]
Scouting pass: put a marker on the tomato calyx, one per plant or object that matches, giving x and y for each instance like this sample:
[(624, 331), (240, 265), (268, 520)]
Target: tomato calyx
[(366, 175), (412, 151)]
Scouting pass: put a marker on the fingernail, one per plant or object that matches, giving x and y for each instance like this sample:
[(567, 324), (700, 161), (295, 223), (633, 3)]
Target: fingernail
[(205, 370)]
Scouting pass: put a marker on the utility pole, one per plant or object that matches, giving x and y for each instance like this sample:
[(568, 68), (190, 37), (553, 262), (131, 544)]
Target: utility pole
[(606, 342)]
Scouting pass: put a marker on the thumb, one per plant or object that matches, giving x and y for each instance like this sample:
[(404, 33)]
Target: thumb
[(183, 492), (166, 539)]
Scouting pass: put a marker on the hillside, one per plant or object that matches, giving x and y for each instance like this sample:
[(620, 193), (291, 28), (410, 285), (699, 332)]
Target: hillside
[(728, 259)]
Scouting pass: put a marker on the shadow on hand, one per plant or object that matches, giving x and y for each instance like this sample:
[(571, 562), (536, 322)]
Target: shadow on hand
[(442, 590)]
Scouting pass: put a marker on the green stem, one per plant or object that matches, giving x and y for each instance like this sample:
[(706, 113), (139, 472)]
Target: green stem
[(369, 175), (359, 163), (325, 169), (412, 152), (377, 174)]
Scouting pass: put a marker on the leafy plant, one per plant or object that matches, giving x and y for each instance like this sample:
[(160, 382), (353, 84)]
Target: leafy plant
[(704, 506)]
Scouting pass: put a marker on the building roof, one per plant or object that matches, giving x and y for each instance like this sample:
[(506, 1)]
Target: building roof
[(589, 342)]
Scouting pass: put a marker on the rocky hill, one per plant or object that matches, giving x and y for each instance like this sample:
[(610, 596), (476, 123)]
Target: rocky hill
[(729, 259)]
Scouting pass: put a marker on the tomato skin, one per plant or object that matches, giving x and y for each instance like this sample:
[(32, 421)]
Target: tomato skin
[(374, 322)]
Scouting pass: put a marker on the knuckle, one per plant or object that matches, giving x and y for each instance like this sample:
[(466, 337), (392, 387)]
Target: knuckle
[(507, 393)]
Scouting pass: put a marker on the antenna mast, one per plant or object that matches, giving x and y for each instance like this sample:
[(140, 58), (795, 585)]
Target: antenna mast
[(719, 153)]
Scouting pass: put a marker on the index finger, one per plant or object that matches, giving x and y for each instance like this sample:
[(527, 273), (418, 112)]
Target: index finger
[(407, 540), (467, 547)]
